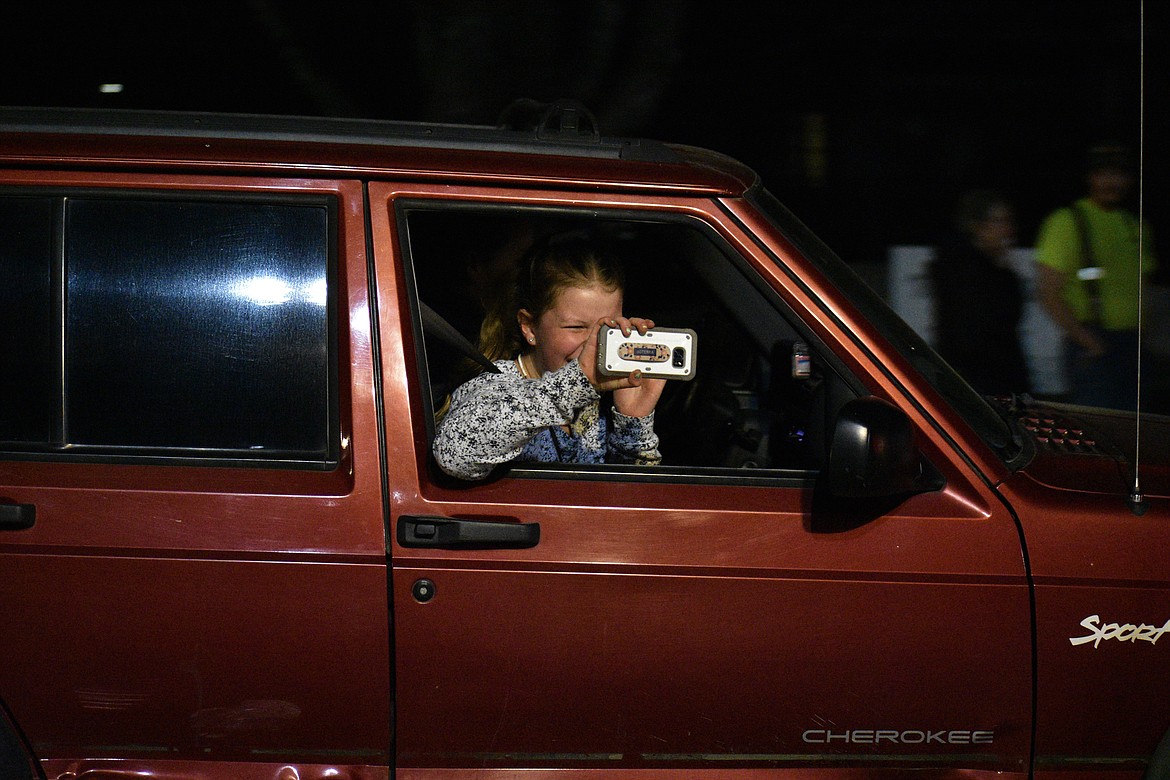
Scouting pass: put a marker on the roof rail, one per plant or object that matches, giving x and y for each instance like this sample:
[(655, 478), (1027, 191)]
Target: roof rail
[(564, 128)]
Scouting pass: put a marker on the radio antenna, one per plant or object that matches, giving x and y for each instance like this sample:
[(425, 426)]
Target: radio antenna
[(1136, 500)]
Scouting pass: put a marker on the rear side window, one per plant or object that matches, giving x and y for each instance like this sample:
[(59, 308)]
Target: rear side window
[(161, 327), (26, 346)]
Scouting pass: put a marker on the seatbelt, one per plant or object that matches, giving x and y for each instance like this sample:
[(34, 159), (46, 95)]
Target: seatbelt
[(434, 324)]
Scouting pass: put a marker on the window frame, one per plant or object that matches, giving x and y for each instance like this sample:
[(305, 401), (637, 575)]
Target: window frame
[(666, 473), (59, 450)]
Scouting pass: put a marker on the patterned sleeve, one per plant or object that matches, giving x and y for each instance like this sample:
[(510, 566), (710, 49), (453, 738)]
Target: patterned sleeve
[(493, 416), (633, 440)]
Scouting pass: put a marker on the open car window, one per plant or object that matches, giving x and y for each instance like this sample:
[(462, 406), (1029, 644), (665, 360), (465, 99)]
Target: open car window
[(764, 394)]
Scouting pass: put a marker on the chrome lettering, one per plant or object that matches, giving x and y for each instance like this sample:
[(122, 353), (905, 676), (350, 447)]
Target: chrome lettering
[(907, 737), (1127, 632)]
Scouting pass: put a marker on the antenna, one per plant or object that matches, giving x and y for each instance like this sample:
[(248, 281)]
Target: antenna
[(1136, 501)]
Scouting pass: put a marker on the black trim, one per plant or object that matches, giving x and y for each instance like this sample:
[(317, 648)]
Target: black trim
[(397, 211), (448, 533), (671, 475), (329, 130)]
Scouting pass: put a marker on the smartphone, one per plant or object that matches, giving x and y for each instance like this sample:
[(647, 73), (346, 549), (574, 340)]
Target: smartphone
[(663, 353)]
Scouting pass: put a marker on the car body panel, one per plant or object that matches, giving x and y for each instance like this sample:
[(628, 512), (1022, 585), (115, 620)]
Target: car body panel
[(690, 626), (138, 584), (1102, 601), (172, 619)]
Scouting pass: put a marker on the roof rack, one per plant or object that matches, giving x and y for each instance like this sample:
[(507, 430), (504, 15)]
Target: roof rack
[(564, 119), (563, 128)]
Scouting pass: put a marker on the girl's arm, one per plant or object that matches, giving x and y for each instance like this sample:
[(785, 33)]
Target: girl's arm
[(493, 416)]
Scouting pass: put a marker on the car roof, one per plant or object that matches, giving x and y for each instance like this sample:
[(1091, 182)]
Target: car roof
[(566, 152)]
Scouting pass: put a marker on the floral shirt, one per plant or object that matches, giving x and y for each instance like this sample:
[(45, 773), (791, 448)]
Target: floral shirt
[(499, 418)]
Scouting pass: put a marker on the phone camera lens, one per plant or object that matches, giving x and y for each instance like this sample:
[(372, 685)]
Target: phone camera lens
[(678, 358)]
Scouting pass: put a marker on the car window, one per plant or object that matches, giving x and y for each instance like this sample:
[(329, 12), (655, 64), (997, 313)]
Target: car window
[(26, 357), (990, 424), (146, 325), (764, 393)]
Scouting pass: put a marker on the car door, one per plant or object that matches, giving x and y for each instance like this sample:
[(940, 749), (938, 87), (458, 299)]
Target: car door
[(723, 614), (192, 563)]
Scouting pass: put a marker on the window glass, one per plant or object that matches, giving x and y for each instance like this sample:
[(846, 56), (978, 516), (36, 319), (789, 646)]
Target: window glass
[(746, 409), (196, 325), (27, 379), (992, 425), (161, 326)]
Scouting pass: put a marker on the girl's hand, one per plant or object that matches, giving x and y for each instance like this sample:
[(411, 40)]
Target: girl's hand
[(640, 398), (633, 395)]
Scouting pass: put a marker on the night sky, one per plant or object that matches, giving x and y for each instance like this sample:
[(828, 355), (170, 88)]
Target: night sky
[(867, 118)]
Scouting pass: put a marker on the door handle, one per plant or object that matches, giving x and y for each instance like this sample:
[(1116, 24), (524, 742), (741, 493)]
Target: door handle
[(17, 517), (449, 534)]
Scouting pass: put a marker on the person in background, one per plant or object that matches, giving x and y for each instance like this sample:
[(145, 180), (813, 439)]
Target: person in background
[(1089, 281), (978, 296)]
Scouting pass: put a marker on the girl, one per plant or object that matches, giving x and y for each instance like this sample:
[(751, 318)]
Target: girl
[(545, 402)]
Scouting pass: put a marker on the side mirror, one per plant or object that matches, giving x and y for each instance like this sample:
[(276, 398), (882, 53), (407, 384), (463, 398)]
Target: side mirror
[(873, 454)]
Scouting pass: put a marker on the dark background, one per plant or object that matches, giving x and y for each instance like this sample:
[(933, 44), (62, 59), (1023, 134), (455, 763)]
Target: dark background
[(867, 118)]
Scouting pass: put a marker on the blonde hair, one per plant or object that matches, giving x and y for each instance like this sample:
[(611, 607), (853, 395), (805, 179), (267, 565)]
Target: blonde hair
[(546, 269)]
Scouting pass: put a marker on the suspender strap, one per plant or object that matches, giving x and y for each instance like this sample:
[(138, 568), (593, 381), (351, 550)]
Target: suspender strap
[(1089, 273)]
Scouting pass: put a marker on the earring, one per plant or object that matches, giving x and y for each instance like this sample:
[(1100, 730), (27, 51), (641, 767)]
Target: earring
[(532, 339)]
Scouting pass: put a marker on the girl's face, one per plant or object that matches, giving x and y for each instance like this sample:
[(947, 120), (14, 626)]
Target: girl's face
[(556, 337)]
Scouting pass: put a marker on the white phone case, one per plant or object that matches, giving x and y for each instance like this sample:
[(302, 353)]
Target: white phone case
[(663, 353)]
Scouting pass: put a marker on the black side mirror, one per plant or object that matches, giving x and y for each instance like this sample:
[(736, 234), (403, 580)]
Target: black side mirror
[(873, 453)]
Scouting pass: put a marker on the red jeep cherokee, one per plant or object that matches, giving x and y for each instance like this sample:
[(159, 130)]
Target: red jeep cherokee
[(226, 550)]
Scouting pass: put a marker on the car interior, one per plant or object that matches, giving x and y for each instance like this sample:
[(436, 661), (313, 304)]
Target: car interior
[(763, 397)]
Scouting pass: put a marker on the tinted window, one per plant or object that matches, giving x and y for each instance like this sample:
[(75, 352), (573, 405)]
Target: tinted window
[(190, 328), (27, 380)]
